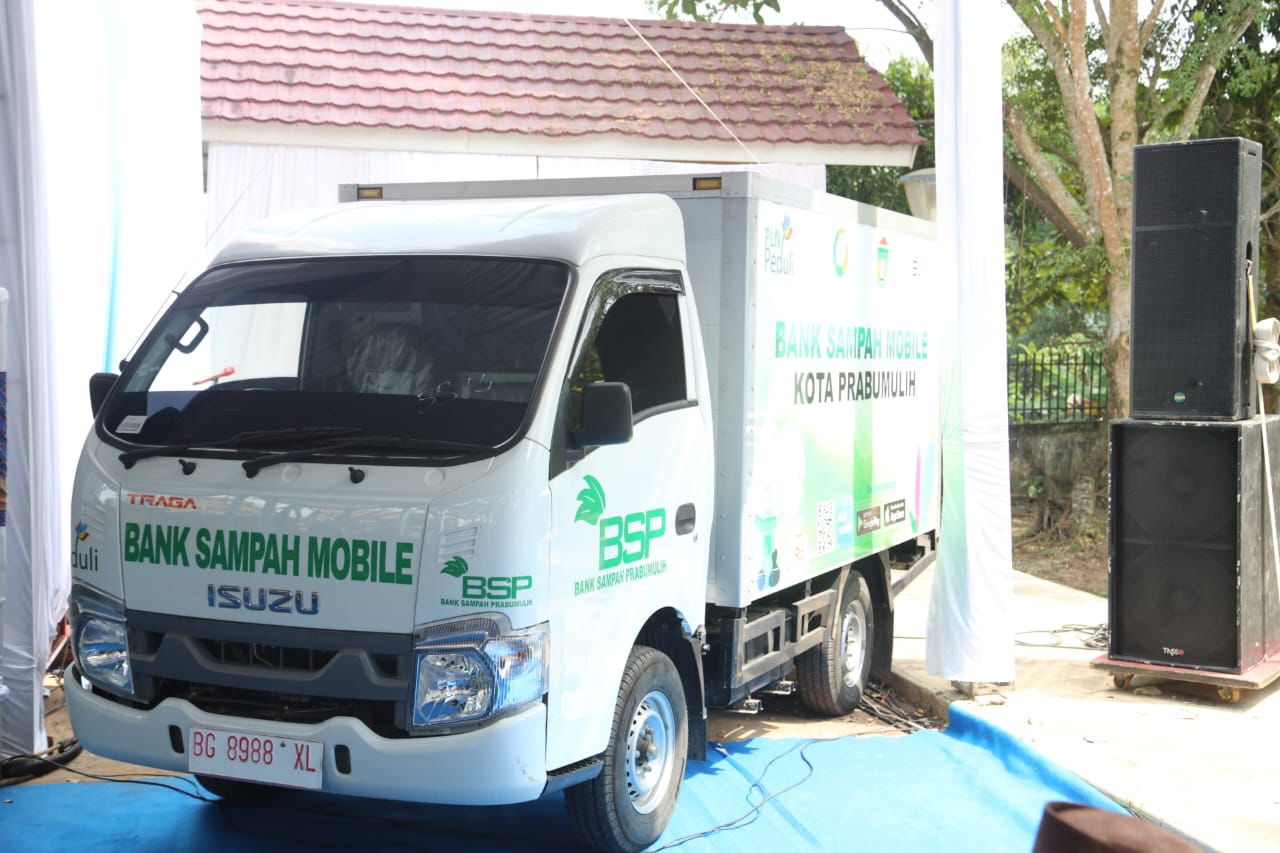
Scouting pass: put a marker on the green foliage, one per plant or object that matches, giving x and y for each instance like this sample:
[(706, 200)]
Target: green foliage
[(1245, 101), (912, 81), (1032, 486), (1053, 290), (710, 10)]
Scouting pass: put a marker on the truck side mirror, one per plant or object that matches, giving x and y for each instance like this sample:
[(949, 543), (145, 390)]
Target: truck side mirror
[(100, 385), (606, 415)]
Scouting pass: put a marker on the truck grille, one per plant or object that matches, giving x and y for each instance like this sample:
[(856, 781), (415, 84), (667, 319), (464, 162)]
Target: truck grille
[(273, 673), (380, 717), (285, 657)]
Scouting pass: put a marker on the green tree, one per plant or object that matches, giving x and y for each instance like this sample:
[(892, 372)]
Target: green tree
[(1127, 79), (1245, 101)]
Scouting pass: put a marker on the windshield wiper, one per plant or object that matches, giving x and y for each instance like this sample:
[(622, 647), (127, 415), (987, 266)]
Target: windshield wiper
[(393, 442), (270, 436)]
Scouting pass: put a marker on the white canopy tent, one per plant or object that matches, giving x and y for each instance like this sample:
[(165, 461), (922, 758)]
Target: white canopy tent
[(102, 218)]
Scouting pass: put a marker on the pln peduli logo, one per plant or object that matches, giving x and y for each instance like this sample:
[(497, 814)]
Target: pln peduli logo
[(86, 560), (778, 258), (840, 251)]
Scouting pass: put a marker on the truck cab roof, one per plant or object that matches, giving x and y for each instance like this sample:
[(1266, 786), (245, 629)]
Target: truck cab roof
[(571, 229)]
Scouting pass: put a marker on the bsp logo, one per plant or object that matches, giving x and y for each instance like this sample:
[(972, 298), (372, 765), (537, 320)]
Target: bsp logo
[(623, 538), (476, 588)]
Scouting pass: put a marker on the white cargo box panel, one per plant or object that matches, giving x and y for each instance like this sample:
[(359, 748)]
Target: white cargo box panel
[(818, 315)]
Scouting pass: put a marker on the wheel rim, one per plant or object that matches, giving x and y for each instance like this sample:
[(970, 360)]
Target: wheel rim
[(853, 648), (650, 751)]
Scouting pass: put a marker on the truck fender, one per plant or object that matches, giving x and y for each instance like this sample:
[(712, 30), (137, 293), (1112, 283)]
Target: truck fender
[(669, 632), (875, 570)]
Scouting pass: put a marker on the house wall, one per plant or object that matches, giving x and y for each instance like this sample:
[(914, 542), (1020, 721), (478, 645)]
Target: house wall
[(246, 182)]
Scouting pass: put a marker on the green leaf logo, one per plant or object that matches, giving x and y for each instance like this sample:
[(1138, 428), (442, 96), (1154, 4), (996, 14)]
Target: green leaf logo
[(457, 567), (590, 501)]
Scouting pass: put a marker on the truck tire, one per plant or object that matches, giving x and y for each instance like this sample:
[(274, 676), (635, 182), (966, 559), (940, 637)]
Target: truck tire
[(831, 676), (628, 805)]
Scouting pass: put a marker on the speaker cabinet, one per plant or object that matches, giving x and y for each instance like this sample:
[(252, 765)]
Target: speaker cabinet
[(1195, 232), (1192, 579)]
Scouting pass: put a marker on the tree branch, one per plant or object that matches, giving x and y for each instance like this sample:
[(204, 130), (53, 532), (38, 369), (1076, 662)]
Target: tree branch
[(1149, 25), (1020, 178), (1054, 192), (1103, 24), (1209, 70), (913, 25)]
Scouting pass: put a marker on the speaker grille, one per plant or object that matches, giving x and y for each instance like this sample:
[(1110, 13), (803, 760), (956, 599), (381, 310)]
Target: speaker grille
[(1185, 292), (1178, 605), (1175, 543), (1186, 185), (1195, 221)]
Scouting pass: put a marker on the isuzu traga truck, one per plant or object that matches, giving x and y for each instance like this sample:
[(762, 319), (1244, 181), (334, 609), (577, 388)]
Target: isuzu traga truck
[(470, 493)]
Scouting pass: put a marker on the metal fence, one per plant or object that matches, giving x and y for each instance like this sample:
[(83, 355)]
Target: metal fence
[(1055, 386)]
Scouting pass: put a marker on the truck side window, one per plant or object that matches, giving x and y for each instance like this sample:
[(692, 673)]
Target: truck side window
[(638, 341)]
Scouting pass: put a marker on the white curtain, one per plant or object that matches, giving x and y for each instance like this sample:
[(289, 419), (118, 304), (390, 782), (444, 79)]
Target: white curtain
[(29, 537), (969, 636), (103, 215)]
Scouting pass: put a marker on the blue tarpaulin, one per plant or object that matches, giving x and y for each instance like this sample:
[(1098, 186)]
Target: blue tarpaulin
[(973, 787)]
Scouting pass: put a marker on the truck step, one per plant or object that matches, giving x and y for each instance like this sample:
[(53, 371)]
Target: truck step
[(747, 706), (779, 688)]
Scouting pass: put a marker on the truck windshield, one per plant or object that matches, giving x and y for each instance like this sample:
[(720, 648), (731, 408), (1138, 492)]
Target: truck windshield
[(429, 349)]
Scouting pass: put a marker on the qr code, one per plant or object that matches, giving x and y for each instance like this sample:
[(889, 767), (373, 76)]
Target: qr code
[(826, 527)]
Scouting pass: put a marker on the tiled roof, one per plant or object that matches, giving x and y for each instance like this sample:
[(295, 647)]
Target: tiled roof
[(365, 66)]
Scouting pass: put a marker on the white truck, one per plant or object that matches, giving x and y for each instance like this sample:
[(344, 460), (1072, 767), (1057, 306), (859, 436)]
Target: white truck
[(468, 493)]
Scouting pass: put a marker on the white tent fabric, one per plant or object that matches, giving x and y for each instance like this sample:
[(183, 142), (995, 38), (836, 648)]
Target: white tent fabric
[(31, 485), (969, 636), (247, 182), (107, 201)]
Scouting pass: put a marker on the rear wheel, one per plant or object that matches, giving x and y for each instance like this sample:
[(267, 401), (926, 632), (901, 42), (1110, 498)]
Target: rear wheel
[(831, 676), (628, 805)]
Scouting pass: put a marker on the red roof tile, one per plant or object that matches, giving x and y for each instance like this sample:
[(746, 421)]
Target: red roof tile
[(313, 63)]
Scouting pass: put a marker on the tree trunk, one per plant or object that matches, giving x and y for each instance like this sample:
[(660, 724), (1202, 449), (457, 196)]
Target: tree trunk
[(1118, 342)]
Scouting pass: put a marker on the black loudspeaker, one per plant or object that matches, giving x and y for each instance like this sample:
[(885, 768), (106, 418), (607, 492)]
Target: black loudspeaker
[(1192, 574), (1195, 233)]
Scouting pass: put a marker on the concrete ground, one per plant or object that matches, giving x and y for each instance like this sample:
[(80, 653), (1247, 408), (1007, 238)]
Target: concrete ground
[(1174, 752)]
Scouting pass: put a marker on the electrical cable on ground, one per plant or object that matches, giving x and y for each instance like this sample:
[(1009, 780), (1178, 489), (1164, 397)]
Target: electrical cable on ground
[(1089, 637), (876, 702)]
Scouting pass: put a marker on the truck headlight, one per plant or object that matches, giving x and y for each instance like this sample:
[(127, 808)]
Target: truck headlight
[(471, 669), (100, 639)]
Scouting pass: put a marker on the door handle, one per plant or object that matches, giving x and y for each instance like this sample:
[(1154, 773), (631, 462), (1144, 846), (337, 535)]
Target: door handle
[(686, 517)]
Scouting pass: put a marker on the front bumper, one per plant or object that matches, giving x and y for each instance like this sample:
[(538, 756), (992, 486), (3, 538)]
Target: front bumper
[(504, 762)]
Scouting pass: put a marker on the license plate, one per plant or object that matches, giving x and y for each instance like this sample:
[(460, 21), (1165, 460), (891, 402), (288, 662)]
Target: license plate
[(256, 757)]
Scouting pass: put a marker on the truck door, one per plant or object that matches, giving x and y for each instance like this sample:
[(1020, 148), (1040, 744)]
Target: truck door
[(631, 522)]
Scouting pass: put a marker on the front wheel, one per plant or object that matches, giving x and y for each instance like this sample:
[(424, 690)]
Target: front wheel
[(628, 805), (831, 676)]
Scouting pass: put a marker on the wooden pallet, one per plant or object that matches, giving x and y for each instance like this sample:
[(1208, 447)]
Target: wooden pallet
[(1229, 684)]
